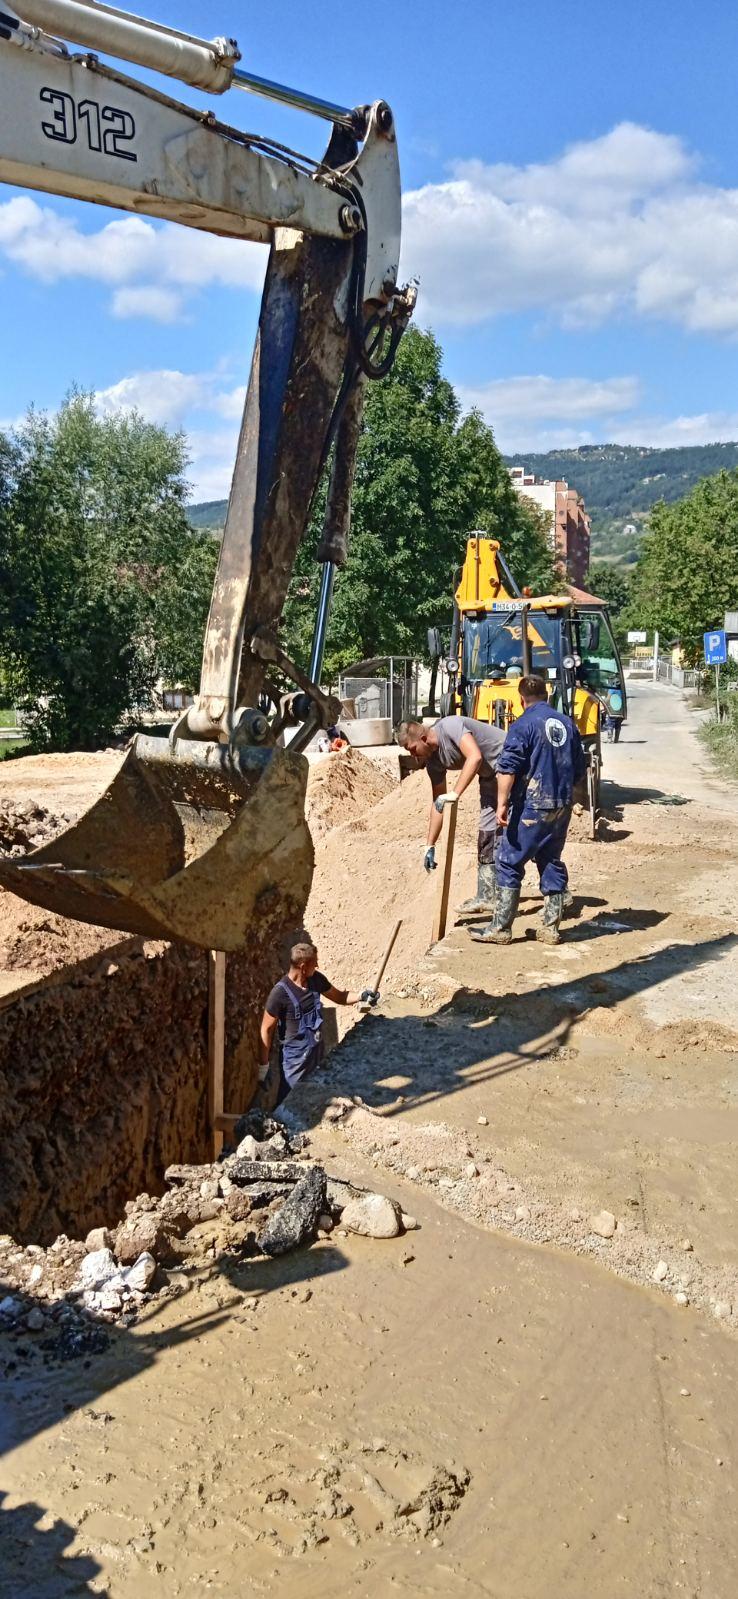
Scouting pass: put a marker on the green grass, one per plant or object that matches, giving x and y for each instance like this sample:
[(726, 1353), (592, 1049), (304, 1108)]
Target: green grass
[(8, 717), (721, 738)]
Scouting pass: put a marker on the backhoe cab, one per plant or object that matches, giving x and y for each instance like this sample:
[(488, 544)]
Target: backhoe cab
[(500, 635)]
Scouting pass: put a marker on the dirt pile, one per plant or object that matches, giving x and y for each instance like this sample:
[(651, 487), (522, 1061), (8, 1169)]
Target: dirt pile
[(369, 872), (342, 787)]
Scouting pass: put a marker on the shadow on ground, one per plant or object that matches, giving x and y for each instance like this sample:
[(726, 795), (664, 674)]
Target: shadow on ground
[(399, 1062)]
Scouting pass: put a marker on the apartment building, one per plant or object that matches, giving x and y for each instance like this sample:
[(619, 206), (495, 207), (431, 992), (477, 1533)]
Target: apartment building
[(569, 523)]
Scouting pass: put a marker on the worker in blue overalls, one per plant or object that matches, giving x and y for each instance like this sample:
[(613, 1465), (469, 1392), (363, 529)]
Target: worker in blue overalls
[(537, 771), (294, 1012)]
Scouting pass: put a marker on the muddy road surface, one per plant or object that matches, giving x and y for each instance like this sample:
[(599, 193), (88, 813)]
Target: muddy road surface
[(504, 1402)]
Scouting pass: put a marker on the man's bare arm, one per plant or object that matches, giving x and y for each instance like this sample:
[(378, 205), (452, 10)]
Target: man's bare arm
[(268, 1029), (505, 781)]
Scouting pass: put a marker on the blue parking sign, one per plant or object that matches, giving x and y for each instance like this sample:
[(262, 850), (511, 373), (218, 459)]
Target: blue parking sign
[(716, 648)]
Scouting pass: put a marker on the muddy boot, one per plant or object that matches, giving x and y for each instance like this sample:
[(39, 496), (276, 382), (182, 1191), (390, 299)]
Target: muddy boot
[(483, 902), (499, 930), (547, 931), (568, 902)]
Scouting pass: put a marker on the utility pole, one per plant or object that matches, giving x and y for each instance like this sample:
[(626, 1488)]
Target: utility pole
[(655, 655)]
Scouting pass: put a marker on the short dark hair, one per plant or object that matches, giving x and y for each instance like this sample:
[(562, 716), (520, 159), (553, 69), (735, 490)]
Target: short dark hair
[(533, 688)]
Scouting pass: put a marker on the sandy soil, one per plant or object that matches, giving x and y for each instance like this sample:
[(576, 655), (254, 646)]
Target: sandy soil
[(462, 1410)]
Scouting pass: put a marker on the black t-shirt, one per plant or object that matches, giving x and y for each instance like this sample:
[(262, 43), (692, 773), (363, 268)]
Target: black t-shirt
[(285, 995)]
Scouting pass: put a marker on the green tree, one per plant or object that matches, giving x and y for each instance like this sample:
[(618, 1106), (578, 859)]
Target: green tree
[(687, 576), (103, 584), (425, 478)]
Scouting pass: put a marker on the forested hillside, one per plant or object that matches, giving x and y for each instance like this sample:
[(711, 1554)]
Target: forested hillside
[(619, 484)]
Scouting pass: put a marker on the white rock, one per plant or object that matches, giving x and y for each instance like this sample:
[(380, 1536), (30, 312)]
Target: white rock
[(482, 1121), (97, 1268), (225, 1186), (141, 1273), (413, 1172), (372, 1215), (36, 1274), (99, 1238), (687, 1245), (576, 1215), (472, 1170), (522, 1213), (35, 1320), (108, 1298), (660, 1272), (603, 1224), (409, 1223), (721, 1309), (248, 1148), (681, 1298)]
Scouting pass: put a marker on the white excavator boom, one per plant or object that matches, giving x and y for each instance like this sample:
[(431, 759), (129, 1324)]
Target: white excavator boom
[(204, 837)]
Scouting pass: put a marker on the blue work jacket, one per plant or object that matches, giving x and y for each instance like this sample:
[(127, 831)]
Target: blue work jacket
[(544, 752)]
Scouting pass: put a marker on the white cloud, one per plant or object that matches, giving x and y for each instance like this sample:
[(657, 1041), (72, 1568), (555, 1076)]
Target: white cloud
[(539, 413), (618, 223), (160, 305), (132, 254), (198, 402), (706, 427), (537, 398)]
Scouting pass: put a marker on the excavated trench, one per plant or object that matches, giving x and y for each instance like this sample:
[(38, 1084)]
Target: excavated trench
[(103, 1081), (103, 1040)]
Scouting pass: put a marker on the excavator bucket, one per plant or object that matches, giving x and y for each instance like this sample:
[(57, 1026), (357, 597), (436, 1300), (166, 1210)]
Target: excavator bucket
[(195, 844)]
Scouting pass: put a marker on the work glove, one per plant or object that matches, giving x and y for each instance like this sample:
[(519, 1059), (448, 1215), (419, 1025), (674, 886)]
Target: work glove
[(430, 863), (370, 996), (443, 799)]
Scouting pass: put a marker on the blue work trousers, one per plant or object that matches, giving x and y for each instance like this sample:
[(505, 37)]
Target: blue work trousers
[(537, 836)]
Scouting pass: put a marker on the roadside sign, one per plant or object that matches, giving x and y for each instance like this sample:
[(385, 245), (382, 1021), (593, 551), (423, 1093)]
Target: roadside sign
[(731, 622), (716, 651), (637, 636)]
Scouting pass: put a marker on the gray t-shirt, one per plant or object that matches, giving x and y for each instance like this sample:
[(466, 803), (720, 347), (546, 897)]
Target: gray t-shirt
[(448, 757)]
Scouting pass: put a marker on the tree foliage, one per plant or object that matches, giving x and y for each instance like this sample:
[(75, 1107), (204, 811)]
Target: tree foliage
[(687, 576), (425, 478), (103, 584)]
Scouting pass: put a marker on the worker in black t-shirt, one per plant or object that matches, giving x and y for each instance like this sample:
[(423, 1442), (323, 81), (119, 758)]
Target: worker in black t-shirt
[(294, 1011)]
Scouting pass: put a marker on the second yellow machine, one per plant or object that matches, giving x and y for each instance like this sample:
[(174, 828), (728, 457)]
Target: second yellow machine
[(500, 634)]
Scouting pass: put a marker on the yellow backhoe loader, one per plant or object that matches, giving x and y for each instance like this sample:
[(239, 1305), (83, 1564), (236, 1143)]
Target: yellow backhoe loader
[(203, 834), (500, 634)]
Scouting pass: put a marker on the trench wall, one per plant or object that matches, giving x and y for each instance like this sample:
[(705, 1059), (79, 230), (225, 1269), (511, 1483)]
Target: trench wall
[(103, 1081)]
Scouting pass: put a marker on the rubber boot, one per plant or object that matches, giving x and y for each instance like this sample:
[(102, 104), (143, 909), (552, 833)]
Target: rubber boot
[(483, 902), (568, 900), (499, 930), (547, 931)]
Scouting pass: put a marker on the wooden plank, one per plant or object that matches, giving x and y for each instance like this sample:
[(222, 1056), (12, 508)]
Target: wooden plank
[(216, 1044), (448, 837), (226, 1121)]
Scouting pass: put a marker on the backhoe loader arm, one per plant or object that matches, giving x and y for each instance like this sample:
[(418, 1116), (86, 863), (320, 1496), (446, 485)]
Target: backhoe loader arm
[(171, 847)]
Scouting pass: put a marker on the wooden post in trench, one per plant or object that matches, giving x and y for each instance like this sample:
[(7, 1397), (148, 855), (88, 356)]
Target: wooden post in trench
[(447, 840), (216, 1046)]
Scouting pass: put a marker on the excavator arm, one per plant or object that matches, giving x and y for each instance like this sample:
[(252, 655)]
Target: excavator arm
[(200, 835)]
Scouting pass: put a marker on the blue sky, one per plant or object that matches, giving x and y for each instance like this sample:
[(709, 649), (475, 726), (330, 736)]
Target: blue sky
[(571, 181)]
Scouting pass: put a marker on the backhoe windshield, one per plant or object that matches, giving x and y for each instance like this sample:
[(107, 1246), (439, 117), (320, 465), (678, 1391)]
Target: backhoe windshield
[(494, 645), (601, 666)]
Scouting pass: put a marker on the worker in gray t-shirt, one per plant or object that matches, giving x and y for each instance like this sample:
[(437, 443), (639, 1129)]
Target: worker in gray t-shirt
[(459, 743)]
